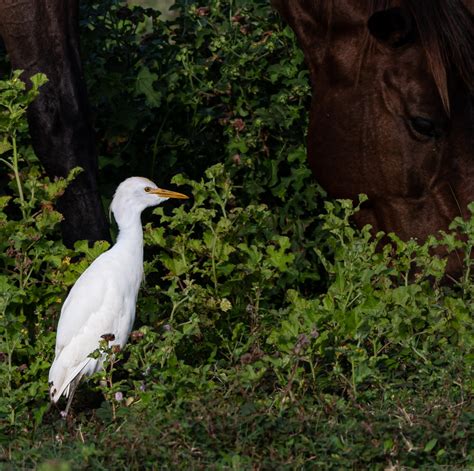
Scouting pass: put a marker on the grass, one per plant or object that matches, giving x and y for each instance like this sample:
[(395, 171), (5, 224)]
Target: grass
[(399, 427)]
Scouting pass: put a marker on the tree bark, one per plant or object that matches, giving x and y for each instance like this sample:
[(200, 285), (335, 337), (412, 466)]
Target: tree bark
[(42, 36)]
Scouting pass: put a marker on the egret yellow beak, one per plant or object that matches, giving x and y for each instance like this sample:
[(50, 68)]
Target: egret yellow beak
[(168, 194)]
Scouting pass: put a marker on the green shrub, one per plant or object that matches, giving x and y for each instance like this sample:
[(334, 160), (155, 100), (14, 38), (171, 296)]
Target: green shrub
[(35, 265)]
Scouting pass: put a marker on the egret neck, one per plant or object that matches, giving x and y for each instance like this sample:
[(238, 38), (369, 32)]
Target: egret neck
[(129, 244)]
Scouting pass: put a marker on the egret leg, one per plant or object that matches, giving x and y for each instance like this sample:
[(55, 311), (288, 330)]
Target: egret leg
[(72, 389)]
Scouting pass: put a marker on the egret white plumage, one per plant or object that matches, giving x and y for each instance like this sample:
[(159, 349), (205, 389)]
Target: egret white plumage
[(102, 301)]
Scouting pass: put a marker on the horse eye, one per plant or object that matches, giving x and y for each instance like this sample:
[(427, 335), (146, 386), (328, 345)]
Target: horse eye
[(148, 189), (424, 126)]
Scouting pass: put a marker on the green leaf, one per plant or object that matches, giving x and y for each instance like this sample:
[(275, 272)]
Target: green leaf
[(430, 445), (5, 146), (38, 80), (144, 86)]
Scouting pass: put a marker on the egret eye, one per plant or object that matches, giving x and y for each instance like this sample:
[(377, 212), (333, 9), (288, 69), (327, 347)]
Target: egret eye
[(148, 189)]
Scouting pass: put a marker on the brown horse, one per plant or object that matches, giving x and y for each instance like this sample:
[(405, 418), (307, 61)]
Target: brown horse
[(42, 36), (392, 113)]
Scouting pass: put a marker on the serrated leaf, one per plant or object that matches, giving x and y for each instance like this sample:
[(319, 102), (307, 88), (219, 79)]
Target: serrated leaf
[(38, 80), (144, 86), (4, 147)]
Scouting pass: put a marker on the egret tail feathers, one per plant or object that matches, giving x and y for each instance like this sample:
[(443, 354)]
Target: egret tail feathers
[(59, 387)]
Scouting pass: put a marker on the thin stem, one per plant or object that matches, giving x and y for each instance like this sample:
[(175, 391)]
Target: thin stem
[(213, 258), (17, 175), (175, 307), (110, 381), (7, 164)]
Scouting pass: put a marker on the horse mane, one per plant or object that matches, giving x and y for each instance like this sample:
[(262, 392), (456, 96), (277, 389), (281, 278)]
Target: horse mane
[(446, 32)]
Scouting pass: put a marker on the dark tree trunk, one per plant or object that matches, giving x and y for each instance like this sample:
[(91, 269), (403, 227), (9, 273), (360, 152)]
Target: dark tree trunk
[(42, 36)]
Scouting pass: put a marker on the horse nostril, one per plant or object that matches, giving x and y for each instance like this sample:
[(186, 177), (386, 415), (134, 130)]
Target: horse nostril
[(424, 126)]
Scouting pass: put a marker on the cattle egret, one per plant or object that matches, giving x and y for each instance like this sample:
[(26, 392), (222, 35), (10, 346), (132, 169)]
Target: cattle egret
[(101, 304)]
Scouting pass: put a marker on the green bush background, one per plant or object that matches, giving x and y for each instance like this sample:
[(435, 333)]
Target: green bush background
[(269, 332)]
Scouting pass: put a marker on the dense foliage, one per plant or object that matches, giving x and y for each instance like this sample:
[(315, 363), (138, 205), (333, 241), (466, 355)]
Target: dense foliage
[(270, 333)]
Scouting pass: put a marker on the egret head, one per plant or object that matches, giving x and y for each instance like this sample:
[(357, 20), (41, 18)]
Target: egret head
[(135, 194)]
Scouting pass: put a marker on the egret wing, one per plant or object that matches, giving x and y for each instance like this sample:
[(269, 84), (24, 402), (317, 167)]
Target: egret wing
[(93, 308), (94, 298)]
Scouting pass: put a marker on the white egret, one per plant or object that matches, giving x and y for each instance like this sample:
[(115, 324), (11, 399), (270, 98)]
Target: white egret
[(101, 304)]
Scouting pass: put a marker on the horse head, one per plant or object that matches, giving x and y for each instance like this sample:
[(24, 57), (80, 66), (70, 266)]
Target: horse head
[(392, 112)]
